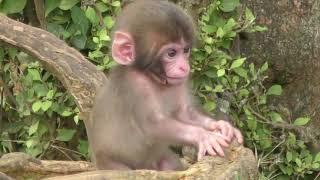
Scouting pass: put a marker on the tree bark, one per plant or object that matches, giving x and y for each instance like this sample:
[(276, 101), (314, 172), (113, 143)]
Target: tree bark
[(291, 46), (240, 163)]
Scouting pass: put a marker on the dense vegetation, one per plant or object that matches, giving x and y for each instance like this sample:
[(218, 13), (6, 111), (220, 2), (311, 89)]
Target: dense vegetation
[(37, 116)]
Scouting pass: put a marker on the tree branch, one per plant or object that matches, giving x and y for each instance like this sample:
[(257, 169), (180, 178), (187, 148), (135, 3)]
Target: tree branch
[(77, 74)]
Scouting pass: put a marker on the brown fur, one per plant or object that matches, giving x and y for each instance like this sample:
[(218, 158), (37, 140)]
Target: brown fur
[(136, 118)]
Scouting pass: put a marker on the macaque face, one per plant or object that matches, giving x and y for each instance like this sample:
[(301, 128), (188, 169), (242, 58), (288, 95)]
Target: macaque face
[(175, 61)]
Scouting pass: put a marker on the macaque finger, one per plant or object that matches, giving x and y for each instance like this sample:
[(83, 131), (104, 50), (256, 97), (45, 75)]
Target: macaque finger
[(209, 149), (238, 136), (200, 152), (219, 135), (223, 142), (218, 148), (230, 132), (223, 127), (212, 125)]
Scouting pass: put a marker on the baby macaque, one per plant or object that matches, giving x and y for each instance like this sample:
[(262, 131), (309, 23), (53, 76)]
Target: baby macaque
[(145, 106)]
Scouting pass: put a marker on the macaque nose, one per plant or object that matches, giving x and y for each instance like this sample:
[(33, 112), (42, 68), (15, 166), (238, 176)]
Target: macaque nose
[(185, 68)]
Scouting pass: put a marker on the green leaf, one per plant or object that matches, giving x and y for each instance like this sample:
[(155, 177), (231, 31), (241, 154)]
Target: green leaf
[(65, 134), (229, 25), (317, 157), (92, 16), (40, 89), (66, 113), (289, 156), (237, 63), (209, 28), (208, 88), (96, 54), (50, 94), (275, 90), (109, 22), (116, 4), (218, 88), (33, 128), (36, 106), (103, 35), (95, 40), (46, 105), (244, 93), (221, 72), (265, 142), (79, 18), (209, 106), (55, 29), (264, 67), (208, 40), (301, 121), (68, 4), (2, 54), (50, 5), (79, 41), (298, 162), (292, 139), (13, 6), (251, 69), (102, 6), (83, 147), (235, 80), (30, 143), (315, 165), (34, 150), (260, 28), (220, 33), (208, 49), (252, 123), (228, 5), (35, 74), (249, 15), (211, 73), (275, 117), (12, 52), (76, 119), (241, 72)]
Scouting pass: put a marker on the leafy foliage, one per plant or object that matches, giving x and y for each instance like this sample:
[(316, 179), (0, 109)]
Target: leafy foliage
[(229, 83), (40, 118)]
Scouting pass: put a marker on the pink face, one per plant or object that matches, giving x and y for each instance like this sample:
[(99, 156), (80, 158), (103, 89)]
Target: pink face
[(175, 60)]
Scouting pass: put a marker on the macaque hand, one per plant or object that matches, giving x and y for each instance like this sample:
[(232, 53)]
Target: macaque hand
[(211, 143), (226, 129)]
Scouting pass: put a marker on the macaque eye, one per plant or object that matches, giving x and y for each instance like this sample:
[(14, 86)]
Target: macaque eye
[(186, 50), (171, 53)]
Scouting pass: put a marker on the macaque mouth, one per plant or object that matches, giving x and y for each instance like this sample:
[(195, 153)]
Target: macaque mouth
[(165, 80), (176, 78)]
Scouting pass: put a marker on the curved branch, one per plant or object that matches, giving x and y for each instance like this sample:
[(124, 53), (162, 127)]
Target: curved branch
[(77, 74)]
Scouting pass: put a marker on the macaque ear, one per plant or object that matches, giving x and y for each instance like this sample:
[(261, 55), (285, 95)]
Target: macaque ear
[(123, 51)]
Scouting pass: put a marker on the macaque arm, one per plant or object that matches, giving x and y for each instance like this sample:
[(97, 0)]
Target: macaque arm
[(159, 126), (188, 113), (209, 123), (167, 129), (194, 116)]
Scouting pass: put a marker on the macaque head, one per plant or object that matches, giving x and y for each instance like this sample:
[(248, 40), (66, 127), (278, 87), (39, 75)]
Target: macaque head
[(154, 36)]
